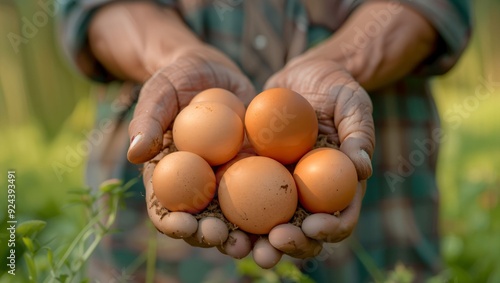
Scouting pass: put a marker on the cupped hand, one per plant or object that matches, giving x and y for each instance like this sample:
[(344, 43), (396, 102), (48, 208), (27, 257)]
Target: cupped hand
[(202, 230), (344, 112), (187, 72)]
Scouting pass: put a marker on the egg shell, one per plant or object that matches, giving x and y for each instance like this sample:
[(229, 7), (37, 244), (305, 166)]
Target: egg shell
[(326, 180), (183, 181), (223, 96), (281, 124), (257, 193), (219, 172), (211, 130)]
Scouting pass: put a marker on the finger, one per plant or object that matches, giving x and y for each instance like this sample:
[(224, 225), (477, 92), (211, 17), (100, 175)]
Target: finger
[(241, 87), (237, 245), (212, 231), (172, 224), (330, 228), (196, 242), (274, 81), (176, 225), (264, 254), (354, 122), (219, 71), (355, 149), (291, 240), (155, 110)]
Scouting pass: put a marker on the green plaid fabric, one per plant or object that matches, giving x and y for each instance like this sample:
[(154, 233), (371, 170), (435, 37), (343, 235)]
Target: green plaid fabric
[(399, 219)]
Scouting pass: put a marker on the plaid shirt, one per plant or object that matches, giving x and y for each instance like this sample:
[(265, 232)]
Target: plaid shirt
[(399, 218)]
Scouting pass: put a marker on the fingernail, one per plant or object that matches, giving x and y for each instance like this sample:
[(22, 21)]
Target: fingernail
[(135, 140), (366, 156)]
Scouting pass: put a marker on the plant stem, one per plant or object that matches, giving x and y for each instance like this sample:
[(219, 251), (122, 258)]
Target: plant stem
[(366, 260), (151, 258)]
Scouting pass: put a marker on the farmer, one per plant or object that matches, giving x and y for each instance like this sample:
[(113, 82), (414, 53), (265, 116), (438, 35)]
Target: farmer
[(363, 65)]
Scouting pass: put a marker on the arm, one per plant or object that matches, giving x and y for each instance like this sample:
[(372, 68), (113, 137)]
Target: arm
[(149, 44), (380, 43), (365, 53), (144, 33), (142, 42)]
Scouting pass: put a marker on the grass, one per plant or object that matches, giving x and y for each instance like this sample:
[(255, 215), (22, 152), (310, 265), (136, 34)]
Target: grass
[(45, 107)]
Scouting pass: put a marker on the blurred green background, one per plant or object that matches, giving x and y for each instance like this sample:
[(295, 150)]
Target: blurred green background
[(46, 109)]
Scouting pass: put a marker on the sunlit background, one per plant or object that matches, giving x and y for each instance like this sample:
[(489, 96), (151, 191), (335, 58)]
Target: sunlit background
[(46, 110)]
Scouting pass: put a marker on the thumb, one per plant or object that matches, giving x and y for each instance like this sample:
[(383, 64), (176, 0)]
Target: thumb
[(155, 110), (354, 148), (355, 126)]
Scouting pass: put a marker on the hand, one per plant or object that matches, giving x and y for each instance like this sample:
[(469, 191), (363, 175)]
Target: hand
[(344, 112), (192, 70), (205, 232), (168, 91), (142, 42)]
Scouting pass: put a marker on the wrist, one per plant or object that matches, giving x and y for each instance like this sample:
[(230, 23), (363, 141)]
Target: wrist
[(380, 43), (133, 40)]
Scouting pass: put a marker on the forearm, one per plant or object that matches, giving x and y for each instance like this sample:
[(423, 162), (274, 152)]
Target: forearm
[(133, 40), (380, 43)]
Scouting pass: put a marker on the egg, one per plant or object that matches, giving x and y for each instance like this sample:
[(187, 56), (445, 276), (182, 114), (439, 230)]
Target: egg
[(183, 181), (326, 180), (211, 130), (281, 124), (219, 172), (257, 193), (222, 96)]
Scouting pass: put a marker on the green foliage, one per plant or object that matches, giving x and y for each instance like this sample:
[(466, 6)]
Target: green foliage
[(66, 262), (30, 228), (284, 271), (400, 274)]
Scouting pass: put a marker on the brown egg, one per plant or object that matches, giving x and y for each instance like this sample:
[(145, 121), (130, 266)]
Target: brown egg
[(183, 181), (219, 172), (257, 193), (326, 180), (211, 130), (281, 124), (223, 96)]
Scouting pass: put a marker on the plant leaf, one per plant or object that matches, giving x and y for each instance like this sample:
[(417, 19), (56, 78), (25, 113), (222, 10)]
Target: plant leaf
[(50, 258), (29, 244), (62, 278), (110, 185), (83, 191), (30, 262), (288, 270), (29, 228)]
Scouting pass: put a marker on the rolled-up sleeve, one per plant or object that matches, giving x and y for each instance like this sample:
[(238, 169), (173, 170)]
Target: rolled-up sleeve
[(452, 21), (73, 20)]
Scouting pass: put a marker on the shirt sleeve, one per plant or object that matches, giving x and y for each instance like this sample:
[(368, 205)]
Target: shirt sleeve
[(452, 21), (73, 20)]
